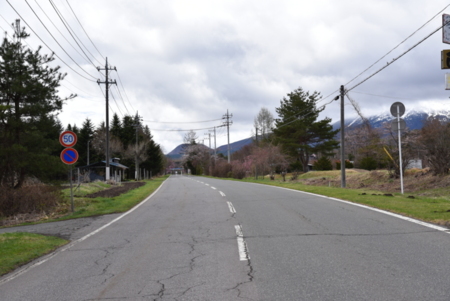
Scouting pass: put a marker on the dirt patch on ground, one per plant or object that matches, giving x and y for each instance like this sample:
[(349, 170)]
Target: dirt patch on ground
[(116, 191)]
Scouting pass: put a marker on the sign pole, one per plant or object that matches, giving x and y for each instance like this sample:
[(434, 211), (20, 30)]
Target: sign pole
[(400, 148), (71, 190)]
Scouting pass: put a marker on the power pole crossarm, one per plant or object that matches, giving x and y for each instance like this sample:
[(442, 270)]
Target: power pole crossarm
[(107, 82)]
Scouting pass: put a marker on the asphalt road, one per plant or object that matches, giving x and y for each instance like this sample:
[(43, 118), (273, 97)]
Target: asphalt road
[(208, 239)]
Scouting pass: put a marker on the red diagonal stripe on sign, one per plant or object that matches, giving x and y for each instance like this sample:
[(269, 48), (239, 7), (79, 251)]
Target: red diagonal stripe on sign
[(70, 154)]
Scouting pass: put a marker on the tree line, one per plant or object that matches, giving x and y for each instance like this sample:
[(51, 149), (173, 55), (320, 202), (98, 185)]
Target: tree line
[(297, 141), (130, 141), (30, 128)]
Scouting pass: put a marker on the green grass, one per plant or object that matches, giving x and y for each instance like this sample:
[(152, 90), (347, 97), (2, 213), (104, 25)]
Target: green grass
[(433, 208), (85, 207), (17, 249)]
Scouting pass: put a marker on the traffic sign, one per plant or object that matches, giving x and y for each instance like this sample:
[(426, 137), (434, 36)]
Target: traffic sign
[(68, 139), (69, 155), (395, 124), (446, 28), (401, 109), (445, 59)]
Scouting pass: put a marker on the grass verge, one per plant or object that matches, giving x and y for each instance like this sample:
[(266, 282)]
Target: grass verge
[(85, 207), (435, 209), (17, 249)]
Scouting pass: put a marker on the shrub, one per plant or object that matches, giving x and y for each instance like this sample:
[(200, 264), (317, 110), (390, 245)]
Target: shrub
[(323, 164), (368, 163), (221, 169), (296, 166), (348, 164), (29, 199), (237, 170)]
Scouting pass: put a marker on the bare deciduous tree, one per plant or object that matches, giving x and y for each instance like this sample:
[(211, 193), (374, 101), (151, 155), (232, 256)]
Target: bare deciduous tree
[(264, 121), (434, 139)]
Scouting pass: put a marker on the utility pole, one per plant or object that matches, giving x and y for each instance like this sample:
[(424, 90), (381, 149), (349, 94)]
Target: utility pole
[(209, 138), (342, 139), (215, 148), (256, 165), (107, 82), (137, 125), (227, 123)]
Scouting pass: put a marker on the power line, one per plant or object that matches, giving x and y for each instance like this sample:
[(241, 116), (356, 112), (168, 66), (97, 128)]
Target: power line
[(382, 96), (309, 113), (51, 49), (120, 81), (161, 130), (52, 34), (395, 59), (120, 94), (180, 122), (117, 105), (56, 27), (66, 24), (84, 29), (398, 45)]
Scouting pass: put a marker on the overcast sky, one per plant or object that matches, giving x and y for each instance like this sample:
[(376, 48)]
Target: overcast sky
[(182, 62)]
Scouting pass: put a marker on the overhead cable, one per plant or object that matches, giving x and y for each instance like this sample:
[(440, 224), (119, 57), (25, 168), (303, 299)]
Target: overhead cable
[(183, 121), (398, 45), (84, 29), (70, 30), (51, 49), (53, 36), (395, 59), (123, 88)]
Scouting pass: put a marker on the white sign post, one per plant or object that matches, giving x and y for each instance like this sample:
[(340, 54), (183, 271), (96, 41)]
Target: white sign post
[(397, 110)]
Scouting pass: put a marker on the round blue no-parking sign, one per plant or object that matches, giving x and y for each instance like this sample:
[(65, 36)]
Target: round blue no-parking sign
[(69, 155)]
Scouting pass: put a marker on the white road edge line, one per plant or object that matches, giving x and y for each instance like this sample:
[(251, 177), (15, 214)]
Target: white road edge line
[(412, 220), (230, 205), (69, 245), (221, 193), (242, 245)]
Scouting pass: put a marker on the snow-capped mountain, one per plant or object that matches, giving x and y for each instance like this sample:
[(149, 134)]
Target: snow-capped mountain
[(414, 118)]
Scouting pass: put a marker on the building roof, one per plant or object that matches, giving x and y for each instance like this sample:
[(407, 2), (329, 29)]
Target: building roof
[(103, 163)]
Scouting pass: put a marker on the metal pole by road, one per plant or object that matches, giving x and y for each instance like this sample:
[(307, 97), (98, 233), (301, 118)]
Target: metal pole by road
[(400, 148), (71, 190), (342, 139)]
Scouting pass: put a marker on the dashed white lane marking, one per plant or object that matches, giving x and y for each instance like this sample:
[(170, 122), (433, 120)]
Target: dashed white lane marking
[(242, 245), (232, 210), (221, 193), (206, 184), (213, 188)]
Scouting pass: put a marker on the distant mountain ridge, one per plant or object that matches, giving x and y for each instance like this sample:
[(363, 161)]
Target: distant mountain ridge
[(177, 152), (414, 119)]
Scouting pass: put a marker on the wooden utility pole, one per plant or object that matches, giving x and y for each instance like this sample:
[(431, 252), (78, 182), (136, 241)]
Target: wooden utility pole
[(107, 82)]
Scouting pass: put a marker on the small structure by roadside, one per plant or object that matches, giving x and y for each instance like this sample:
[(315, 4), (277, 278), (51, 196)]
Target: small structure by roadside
[(96, 171)]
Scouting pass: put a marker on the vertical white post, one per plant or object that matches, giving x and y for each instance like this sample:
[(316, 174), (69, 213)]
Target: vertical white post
[(400, 148)]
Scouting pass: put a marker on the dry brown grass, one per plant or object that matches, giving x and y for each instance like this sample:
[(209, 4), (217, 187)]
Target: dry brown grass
[(419, 181), (28, 202)]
